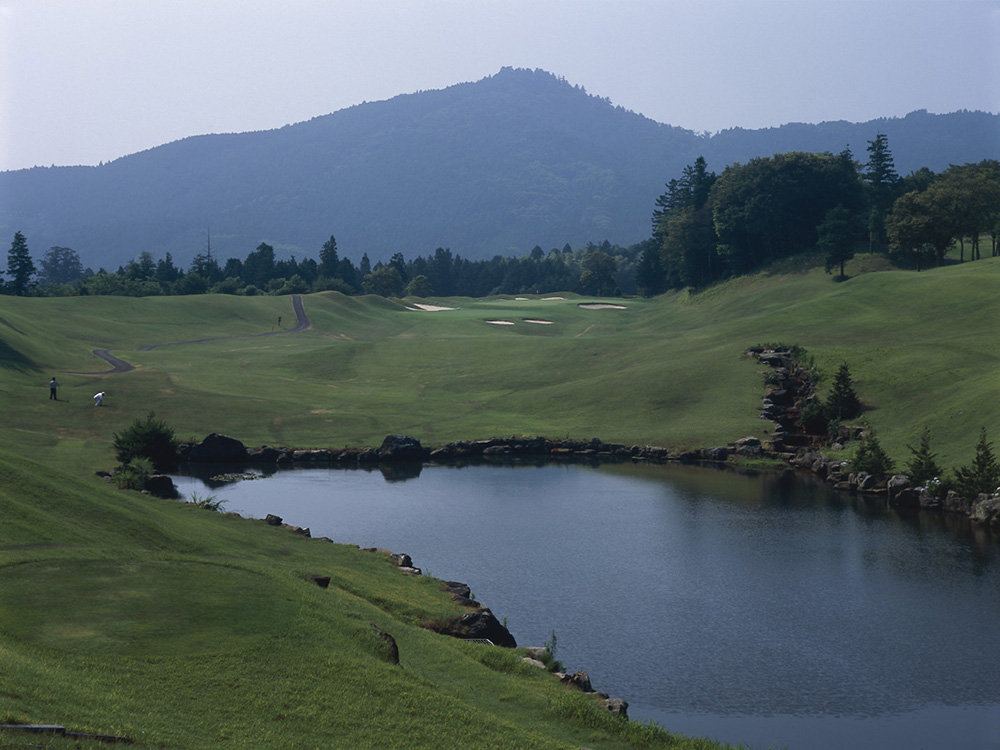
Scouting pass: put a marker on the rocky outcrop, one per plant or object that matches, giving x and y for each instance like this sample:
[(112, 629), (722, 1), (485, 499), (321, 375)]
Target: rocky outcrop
[(480, 625), (216, 449), (402, 448)]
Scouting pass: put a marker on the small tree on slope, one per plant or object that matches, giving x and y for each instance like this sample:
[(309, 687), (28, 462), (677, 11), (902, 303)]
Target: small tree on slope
[(983, 474)]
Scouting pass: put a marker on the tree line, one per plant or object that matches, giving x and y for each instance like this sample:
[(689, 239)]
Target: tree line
[(604, 270), (707, 227)]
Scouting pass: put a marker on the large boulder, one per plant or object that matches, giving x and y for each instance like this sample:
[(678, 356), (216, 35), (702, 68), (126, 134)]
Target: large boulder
[(402, 448), (986, 510), (218, 449), (161, 485), (481, 624)]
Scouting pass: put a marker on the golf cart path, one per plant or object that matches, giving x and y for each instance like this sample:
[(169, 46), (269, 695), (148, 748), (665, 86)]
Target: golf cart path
[(119, 365)]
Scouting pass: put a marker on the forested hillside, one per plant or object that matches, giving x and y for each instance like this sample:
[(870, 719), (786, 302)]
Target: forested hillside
[(519, 159)]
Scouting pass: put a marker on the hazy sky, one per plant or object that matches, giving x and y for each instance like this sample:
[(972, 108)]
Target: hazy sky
[(83, 81)]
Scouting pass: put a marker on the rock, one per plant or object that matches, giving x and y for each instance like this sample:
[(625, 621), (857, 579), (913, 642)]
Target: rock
[(897, 483), (749, 446), (986, 510), (716, 454), (617, 706), (161, 485), (538, 653), (402, 448), (264, 455), (459, 593), (218, 448), (862, 481), (402, 560), (481, 624), (580, 680), (273, 520), (533, 662)]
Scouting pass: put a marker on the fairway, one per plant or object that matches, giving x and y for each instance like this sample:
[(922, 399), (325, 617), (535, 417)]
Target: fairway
[(668, 371)]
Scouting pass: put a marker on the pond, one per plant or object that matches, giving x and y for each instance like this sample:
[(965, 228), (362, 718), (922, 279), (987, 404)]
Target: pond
[(761, 609)]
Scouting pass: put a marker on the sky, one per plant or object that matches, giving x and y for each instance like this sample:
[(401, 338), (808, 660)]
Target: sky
[(86, 81)]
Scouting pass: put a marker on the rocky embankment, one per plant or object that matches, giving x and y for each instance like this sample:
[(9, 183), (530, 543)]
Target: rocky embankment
[(790, 390)]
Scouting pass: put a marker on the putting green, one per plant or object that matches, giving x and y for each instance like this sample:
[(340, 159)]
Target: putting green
[(139, 608)]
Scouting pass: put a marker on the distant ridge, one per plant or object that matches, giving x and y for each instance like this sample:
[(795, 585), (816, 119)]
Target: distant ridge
[(517, 159)]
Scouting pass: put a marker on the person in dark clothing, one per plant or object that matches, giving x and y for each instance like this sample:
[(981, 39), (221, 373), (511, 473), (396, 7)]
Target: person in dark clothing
[(52, 389)]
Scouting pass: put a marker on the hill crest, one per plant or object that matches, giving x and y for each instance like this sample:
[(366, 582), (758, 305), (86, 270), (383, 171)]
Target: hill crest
[(497, 166)]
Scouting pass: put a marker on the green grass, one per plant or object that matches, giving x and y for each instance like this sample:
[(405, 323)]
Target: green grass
[(180, 627)]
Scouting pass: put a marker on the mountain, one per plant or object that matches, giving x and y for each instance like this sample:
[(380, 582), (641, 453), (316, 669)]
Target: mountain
[(518, 159)]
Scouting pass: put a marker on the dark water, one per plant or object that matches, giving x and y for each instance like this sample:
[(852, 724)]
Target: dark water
[(763, 610)]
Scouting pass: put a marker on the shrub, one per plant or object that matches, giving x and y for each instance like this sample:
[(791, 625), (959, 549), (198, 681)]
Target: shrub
[(149, 438), (133, 475), (210, 502)]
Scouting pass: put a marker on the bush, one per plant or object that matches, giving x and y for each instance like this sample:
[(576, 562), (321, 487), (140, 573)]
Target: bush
[(133, 475), (149, 438)]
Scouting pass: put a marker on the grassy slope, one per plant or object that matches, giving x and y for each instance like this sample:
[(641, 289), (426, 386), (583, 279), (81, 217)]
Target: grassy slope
[(144, 657)]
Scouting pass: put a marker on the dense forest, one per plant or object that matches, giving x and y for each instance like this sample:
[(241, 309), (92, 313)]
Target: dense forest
[(494, 167), (705, 227)]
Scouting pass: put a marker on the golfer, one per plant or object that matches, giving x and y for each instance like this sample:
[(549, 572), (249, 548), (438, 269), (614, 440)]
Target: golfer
[(98, 398), (52, 389)]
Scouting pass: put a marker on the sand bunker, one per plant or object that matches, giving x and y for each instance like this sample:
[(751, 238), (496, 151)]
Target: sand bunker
[(537, 321), (501, 322), (601, 306), (430, 308), (550, 299)]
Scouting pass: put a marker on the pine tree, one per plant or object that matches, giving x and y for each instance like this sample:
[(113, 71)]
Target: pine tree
[(871, 458), (983, 474), (19, 267), (329, 261), (922, 466), (843, 402), (880, 174)]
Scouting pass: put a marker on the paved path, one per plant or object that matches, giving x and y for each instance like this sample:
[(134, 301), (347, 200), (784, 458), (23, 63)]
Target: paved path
[(119, 365)]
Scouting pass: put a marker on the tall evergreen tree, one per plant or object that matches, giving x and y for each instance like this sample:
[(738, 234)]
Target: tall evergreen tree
[(880, 174), (20, 268), (843, 402), (329, 261)]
